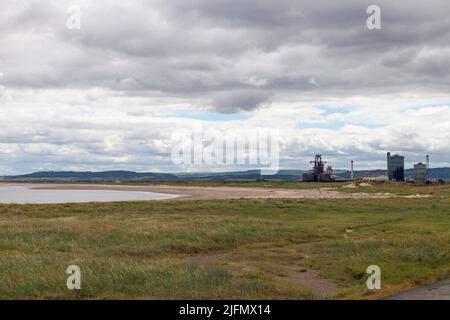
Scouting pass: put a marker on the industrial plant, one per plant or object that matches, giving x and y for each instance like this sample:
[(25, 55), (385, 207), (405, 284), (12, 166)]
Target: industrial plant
[(395, 171), (395, 167), (421, 172), (318, 173)]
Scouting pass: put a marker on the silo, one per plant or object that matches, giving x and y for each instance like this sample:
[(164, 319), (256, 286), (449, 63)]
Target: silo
[(420, 173)]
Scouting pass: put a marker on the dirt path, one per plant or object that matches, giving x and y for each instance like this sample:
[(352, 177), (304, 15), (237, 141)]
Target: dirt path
[(310, 280), (208, 193), (321, 288)]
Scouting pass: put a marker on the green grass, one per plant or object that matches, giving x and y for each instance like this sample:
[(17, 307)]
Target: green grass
[(141, 249)]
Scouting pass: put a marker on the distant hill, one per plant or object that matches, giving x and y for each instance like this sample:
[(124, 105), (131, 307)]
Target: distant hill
[(92, 176), (250, 175), (107, 176), (284, 175)]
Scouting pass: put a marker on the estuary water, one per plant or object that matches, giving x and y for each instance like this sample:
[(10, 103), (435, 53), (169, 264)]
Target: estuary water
[(27, 195)]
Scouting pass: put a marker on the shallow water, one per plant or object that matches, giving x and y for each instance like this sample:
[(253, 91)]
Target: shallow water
[(27, 195)]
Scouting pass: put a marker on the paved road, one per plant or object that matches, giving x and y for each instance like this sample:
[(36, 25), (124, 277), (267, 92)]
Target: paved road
[(437, 291)]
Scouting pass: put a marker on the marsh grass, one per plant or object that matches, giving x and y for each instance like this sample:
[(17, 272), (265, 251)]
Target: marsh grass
[(139, 250)]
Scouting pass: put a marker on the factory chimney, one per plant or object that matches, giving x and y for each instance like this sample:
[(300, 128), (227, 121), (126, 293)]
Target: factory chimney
[(352, 176), (428, 166)]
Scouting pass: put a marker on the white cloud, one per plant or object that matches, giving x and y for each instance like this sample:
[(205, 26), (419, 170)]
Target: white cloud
[(109, 95)]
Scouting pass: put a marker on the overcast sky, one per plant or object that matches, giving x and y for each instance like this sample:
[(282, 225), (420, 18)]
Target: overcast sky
[(110, 94)]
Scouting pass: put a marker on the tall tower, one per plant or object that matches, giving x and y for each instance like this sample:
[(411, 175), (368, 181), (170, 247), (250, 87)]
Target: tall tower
[(352, 176), (389, 173), (428, 167), (395, 167)]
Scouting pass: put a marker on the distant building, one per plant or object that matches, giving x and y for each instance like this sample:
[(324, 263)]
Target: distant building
[(318, 173), (395, 167), (328, 175), (420, 173)]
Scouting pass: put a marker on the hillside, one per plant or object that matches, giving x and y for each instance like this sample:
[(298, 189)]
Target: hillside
[(250, 175)]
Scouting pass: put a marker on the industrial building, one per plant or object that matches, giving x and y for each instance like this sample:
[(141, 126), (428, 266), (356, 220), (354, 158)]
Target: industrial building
[(420, 173), (318, 173), (395, 167), (395, 171)]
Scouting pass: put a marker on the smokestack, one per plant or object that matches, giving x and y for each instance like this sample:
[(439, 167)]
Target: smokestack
[(352, 177), (428, 167)]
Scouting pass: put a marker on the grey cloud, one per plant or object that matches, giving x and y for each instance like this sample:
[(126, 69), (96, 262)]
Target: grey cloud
[(230, 102), (191, 48), (225, 56)]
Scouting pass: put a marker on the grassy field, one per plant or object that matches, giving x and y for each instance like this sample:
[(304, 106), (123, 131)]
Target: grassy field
[(255, 249)]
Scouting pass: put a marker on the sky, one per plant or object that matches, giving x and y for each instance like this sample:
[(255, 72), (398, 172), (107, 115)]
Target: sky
[(110, 94)]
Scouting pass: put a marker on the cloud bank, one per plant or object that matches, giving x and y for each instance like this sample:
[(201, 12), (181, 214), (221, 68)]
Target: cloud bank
[(108, 96)]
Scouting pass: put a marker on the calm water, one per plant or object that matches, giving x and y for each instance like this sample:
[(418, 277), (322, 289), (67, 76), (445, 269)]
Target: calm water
[(23, 195)]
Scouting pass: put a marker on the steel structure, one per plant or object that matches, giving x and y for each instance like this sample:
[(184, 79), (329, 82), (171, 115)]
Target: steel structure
[(318, 172)]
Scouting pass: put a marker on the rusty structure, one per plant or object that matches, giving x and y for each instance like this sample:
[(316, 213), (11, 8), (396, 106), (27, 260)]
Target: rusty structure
[(318, 173)]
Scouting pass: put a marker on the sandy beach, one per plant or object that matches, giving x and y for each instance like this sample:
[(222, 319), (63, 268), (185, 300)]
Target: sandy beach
[(208, 193)]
